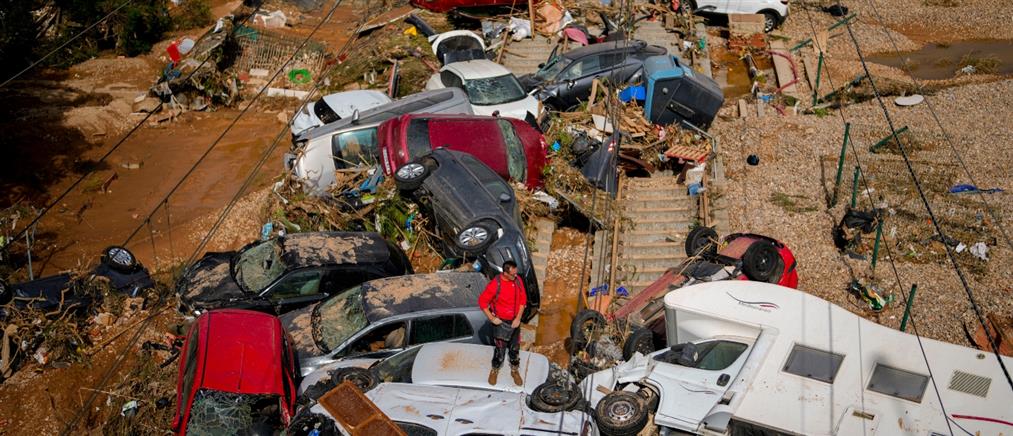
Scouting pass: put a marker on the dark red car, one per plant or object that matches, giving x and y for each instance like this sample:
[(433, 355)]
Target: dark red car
[(448, 5), (739, 256), (236, 375), (510, 147)]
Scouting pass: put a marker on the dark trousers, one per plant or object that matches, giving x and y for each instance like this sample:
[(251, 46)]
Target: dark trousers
[(514, 344)]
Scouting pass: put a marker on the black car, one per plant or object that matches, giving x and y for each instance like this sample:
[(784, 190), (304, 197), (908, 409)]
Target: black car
[(565, 80), (118, 268), (288, 272), (475, 212)]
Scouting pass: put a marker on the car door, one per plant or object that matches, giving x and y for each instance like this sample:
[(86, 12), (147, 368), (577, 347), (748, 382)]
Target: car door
[(296, 289), (451, 327), (576, 79), (689, 393)]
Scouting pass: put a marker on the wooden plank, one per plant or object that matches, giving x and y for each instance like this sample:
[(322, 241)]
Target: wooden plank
[(743, 109), (782, 68), (386, 18), (809, 64), (356, 413)]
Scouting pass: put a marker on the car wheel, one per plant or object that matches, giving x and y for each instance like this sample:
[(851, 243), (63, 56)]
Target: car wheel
[(621, 413), (119, 259), (585, 325), (475, 237), (760, 262), (410, 176), (770, 21), (703, 242), (640, 341), (555, 396)]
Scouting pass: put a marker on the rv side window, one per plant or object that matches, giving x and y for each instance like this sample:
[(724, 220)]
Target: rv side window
[(812, 363), (898, 383)]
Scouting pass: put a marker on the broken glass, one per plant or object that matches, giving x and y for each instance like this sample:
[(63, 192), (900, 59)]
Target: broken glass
[(259, 266), (338, 318), (494, 90)]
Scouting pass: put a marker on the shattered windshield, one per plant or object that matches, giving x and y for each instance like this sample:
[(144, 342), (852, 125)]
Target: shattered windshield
[(338, 318), (551, 69), (259, 266), (218, 413), (396, 368), (494, 90)]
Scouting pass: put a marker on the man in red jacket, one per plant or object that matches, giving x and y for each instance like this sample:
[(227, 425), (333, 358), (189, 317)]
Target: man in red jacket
[(503, 302)]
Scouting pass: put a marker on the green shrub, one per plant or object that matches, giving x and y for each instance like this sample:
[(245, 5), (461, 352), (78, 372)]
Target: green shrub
[(193, 14)]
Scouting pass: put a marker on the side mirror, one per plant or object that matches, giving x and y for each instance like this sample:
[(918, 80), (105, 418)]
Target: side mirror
[(504, 197), (570, 83), (723, 379)]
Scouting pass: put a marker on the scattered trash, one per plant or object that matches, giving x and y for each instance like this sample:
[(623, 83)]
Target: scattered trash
[(546, 198), (632, 93), (519, 28), (753, 160), (129, 409), (870, 295), (980, 250), (272, 20), (848, 232), (971, 189), (967, 70), (909, 100)]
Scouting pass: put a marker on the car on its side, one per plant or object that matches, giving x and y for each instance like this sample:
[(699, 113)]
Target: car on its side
[(774, 11), (381, 317), (352, 141), (475, 211), (443, 389), (237, 375), (491, 89), (288, 272), (334, 107), (511, 147), (565, 80)]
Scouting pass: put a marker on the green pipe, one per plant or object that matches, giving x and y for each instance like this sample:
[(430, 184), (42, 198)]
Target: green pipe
[(854, 187), (875, 246), (907, 307), (846, 20), (840, 162), (819, 72), (875, 147)]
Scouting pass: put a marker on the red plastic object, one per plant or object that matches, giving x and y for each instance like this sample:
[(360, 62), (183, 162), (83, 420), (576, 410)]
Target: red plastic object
[(239, 352), (173, 50), (480, 136)]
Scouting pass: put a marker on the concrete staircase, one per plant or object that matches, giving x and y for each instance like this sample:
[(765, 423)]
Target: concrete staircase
[(659, 214), (654, 33), (543, 230), (522, 57)]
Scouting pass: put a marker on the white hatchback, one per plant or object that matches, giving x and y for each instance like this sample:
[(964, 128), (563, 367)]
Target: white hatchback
[(491, 88), (774, 11), (336, 106)]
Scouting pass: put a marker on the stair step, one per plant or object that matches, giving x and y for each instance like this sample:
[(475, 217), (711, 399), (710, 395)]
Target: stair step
[(655, 211), (649, 237), (664, 225)]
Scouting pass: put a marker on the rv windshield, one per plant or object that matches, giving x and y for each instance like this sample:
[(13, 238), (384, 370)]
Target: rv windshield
[(710, 356)]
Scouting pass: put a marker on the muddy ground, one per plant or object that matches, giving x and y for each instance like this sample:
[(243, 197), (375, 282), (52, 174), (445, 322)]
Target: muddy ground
[(60, 122)]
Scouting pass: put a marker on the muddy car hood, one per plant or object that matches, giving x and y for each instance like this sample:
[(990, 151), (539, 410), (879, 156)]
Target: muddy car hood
[(208, 283), (299, 326)]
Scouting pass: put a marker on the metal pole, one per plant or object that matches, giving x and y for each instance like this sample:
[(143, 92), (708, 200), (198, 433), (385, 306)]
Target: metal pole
[(854, 187), (840, 162), (875, 246), (819, 72), (907, 307)]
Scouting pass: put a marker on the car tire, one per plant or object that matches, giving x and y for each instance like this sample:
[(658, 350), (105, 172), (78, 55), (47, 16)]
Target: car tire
[(640, 340), (555, 396), (621, 413), (583, 325), (703, 242), (119, 259), (761, 261), (410, 176), (770, 21), (483, 233)]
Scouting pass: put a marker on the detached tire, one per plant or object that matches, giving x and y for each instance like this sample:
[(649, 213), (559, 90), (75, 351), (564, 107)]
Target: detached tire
[(702, 241), (621, 413), (119, 259), (409, 176), (641, 340), (761, 262), (583, 325), (555, 396)]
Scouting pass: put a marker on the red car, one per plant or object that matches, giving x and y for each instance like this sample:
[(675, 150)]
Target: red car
[(236, 375), (739, 256), (448, 5), (510, 147)]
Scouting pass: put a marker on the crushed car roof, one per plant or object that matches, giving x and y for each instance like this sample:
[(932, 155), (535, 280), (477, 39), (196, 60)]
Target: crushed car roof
[(327, 248), (477, 69), (430, 101), (467, 365), (242, 352), (413, 293)]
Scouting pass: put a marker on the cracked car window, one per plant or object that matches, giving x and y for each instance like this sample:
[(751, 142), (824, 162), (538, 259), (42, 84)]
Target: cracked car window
[(216, 413), (259, 266), (517, 164), (494, 90), (338, 318)]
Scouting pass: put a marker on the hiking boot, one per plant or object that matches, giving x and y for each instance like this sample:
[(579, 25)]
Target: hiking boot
[(493, 375), (516, 375)]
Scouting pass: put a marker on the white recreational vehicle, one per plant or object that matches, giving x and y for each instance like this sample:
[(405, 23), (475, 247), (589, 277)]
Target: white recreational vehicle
[(756, 358)]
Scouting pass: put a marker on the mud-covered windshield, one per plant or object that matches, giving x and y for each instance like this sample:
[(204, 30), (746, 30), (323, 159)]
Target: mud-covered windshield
[(550, 70), (259, 266), (338, 318), (396, 368), (494, 90), (218, 413)]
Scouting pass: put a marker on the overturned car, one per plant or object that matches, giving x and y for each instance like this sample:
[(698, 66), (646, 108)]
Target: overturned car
[(288, 272)]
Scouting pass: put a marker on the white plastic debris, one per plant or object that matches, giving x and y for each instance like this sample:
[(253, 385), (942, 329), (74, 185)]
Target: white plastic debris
[(546, 198), (273, 20), (960, 247), (519, 28), (980, 250)]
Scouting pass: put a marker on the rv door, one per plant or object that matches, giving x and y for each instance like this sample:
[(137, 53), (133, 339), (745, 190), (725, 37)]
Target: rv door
[(691, 388)]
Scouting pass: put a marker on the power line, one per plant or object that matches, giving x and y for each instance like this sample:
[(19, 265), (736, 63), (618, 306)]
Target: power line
[(111, 150), (928, 208), (64, 44), (946, 135), (234, 121)]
